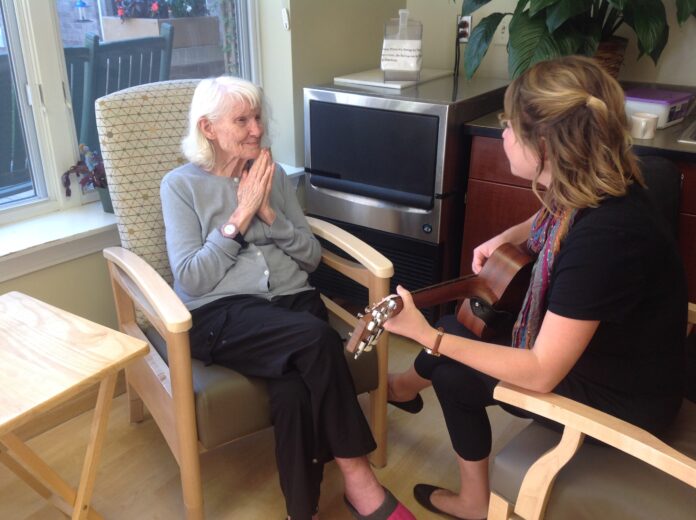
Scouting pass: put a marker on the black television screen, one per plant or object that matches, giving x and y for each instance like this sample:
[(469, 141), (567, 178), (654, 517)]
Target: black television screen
[(379, 153)]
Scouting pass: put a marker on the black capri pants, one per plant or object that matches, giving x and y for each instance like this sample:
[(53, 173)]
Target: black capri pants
[(464, 393), (314, 410)]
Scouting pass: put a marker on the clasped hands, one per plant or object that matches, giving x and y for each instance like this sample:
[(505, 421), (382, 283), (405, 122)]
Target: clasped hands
[(254, 193)]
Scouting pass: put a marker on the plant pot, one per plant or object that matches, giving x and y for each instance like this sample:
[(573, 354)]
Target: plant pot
[(610, 54), (105, 198)]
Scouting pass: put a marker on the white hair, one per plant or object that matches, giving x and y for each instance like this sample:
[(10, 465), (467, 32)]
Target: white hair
[(212, 98)]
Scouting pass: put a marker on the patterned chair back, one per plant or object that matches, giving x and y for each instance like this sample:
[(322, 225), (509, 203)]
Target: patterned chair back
[(140, 131)]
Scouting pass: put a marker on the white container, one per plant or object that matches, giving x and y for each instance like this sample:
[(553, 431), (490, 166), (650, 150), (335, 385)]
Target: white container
[(669, 106), (402, 53)]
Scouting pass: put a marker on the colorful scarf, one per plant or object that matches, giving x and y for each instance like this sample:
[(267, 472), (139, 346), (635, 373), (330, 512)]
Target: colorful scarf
[(548, 231)]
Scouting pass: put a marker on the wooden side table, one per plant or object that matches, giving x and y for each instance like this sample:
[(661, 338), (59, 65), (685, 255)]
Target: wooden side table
[(48, 356)]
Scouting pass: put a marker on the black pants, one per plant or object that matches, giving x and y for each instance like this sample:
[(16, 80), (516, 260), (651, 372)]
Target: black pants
[(314, 410), (464, 393)]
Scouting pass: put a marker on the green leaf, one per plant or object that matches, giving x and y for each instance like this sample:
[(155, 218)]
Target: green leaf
[(648, 20), (659, 46), (620, 4), (684, 9), (479, 41), (558, 14), (537, 5), (469, 6), (588, 32), (526, 34), (531, 42)]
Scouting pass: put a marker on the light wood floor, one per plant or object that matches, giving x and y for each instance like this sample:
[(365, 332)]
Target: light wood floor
[(138, 478)]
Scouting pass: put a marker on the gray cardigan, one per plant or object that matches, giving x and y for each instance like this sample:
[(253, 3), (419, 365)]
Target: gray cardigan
[(207, 266)]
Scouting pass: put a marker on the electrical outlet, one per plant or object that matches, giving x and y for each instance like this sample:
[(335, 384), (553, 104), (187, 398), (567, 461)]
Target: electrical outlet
[(463, 28), (501, 35)]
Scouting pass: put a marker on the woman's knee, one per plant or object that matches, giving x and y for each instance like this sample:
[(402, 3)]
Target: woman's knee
[(462, 384)]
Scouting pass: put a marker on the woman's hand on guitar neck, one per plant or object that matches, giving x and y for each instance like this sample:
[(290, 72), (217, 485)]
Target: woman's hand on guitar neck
[(410, 322)]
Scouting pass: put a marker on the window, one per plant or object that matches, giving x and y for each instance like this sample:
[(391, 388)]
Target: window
[(42, 66), (21, 177)]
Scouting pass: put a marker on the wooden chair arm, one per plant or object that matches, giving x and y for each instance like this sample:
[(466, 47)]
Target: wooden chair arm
[(613, 431), (375, 262), (149, 291)]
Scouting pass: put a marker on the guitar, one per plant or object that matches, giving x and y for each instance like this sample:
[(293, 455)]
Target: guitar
[(492, 299)]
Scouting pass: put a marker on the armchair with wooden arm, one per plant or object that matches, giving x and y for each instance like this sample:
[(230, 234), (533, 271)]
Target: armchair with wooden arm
[(198, 407), (633, 475)]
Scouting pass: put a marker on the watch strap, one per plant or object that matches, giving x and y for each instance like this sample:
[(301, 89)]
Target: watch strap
[(434, 350), (240, 240)]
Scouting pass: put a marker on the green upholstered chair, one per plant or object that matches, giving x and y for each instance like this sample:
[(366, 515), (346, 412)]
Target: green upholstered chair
[(197, 408), (76, 59), (116, 65)]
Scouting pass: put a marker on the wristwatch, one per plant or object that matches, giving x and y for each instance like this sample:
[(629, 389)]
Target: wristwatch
[(229, 230)]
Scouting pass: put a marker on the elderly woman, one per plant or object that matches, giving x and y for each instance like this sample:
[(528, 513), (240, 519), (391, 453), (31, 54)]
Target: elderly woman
[(604, 317), (240, 249)]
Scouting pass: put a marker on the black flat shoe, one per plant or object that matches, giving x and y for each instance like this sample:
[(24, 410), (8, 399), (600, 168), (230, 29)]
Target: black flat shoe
[(422, 494), (415, 405)]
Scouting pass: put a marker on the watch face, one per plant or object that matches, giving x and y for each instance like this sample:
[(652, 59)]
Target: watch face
[(229, 230)]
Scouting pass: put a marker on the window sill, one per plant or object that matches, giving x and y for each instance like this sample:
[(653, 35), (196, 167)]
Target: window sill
[(48, 240)]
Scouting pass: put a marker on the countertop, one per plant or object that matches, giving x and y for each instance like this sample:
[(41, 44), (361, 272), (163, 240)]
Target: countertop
[(664, 143), (445, 90)]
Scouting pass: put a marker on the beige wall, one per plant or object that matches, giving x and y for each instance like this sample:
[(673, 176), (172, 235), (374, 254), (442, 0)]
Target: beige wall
[(676, 66), (79, 286), (326, 39)]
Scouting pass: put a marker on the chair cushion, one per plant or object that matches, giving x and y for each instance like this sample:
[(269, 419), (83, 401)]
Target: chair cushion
[(127, 120), (600, 481), (230, 405)]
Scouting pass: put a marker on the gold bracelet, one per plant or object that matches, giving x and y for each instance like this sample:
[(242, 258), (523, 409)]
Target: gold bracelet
[(435, 350)]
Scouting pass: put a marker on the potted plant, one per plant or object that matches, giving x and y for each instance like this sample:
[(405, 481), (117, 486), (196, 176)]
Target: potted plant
[(141, 18), (90, 171), (543, 29), (158, 8)]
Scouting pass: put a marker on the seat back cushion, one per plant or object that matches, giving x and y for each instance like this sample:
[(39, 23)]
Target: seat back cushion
[(140, 131), (600, 481)]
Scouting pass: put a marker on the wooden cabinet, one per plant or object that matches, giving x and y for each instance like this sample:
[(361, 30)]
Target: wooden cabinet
[(496, 200)]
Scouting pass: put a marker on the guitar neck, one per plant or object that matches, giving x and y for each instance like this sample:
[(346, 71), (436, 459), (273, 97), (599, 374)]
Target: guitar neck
[(446, 291)]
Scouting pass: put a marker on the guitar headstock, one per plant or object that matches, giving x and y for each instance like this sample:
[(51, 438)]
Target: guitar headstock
[(371, 324)]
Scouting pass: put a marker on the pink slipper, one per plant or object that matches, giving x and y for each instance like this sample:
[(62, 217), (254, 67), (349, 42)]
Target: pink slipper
[(391, 509)]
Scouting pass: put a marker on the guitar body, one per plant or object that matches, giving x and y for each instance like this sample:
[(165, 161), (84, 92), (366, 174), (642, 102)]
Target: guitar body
[(503, 283), (491, 299)]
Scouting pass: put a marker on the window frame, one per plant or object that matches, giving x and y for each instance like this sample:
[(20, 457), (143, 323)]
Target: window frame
[(46, 87), (42, 55)]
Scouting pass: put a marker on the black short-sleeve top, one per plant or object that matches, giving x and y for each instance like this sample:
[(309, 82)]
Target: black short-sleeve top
[(620, 265)]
